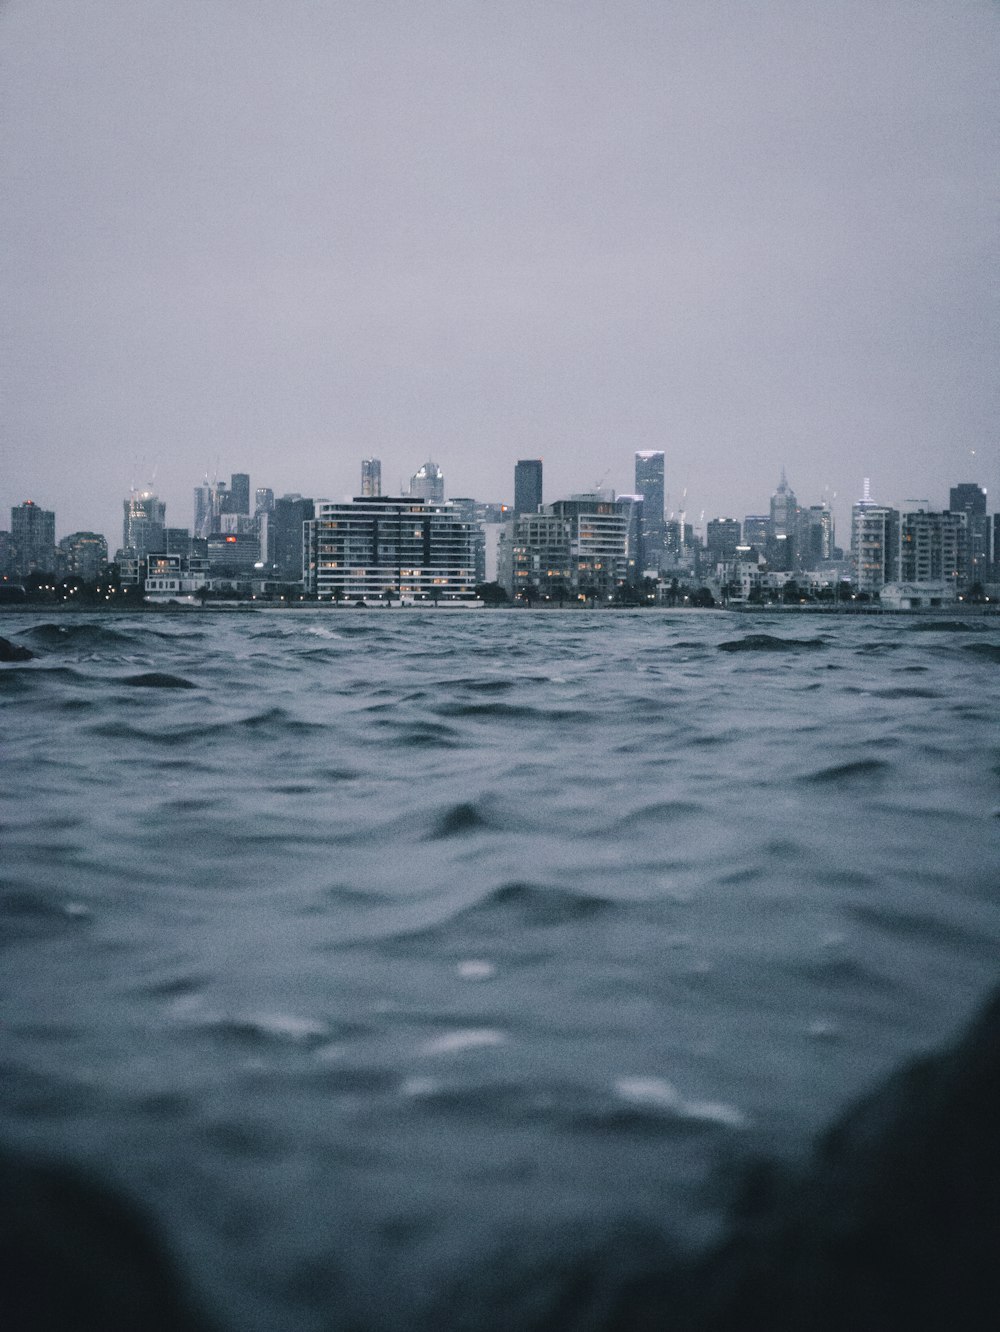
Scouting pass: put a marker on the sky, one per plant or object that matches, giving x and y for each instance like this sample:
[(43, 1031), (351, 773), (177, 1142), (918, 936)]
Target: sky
[(277, 236)]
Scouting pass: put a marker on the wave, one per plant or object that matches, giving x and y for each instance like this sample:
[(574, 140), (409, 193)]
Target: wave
[(537, 904), (467, 817), (946, 627), (987, 651), (850, 774), (158, 680), (769, 643), (78, 635)]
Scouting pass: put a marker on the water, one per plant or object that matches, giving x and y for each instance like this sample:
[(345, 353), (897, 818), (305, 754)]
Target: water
[(407, 960)]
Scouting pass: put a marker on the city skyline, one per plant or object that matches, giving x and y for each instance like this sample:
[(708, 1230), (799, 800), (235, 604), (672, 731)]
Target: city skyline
[(752, 237), (938, 499)]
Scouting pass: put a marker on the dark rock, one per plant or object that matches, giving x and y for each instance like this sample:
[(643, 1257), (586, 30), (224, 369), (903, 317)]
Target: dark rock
[(14, 651), (77, 1257), (894, 1225)]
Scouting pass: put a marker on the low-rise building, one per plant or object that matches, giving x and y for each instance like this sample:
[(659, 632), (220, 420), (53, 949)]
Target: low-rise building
[(174, 578)]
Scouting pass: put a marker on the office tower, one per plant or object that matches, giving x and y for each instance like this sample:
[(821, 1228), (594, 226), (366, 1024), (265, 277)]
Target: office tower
[(203, 514), (371, 478), (631, 507), (5, 554), (263, 500), (722, 536), (757, 532), (968, 497), (814, 542), (782, 552), (428, 483), (649, 483), (527, 486), (284, 536), (32, 539), (238, 498), (874, 543), (176, 541), (142, 525), (390, 549)]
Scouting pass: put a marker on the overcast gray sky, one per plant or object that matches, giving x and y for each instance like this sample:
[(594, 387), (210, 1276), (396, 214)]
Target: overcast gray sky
[(275, 236)]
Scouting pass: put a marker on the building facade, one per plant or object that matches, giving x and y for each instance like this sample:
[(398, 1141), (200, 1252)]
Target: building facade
[(281, 537), (874, 546), (527, 486), (722, 536), (969, 497), (932, 548), (427, 483), (650, 484), (142, 523), (371, 477), (83, 555), (385, 549), (32, 540)]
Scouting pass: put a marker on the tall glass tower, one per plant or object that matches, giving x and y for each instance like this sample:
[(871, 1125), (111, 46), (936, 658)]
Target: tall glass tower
[(649, 483)]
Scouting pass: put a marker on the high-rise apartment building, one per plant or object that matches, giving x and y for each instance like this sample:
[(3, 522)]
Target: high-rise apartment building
[(970, 498), (83, 555), (402, 549), (650, 484), (576, 547), (874, 543), (371, 478), (527, 485), (932, 547), (32, 539)]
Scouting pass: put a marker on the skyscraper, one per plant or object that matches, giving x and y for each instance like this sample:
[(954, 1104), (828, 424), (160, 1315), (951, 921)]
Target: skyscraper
[(649, 483), (203, 514), (142, 526), (427, 483), (783, 549), (371, 478), (237, 499), (527, 486), (284, 533)]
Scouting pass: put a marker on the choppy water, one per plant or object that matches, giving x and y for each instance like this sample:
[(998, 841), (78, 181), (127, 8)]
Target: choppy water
[(404, 958)]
